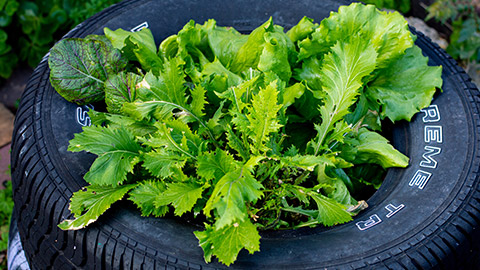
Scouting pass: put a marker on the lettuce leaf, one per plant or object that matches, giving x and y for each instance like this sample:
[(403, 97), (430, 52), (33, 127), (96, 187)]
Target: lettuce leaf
[(405, 86)]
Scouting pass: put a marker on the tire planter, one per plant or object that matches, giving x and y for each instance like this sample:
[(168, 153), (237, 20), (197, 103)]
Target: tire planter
[(424, 216)]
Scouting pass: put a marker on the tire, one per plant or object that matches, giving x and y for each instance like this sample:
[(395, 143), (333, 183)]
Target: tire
[(425, 216), (16, 259)]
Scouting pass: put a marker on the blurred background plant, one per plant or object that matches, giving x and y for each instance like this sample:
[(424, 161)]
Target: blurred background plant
[(462, 18), (6, 208), (29, 28)]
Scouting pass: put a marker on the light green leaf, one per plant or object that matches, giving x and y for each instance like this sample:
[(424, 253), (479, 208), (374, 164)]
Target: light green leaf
[(405, 86), (262, 117), (370, 147), (227, 242), (171, 140), (249, 53), (302, 29), (95, 200), (230, 196), (144, 197), (310, 72), (198, 100), (329, 212), (182, 196), (225, 43), (79, 68), (167, 86), (217, 68), (117, 153), (214, 165), (306, 162), (143, 37), (274, 56), (138, 46), (341, 75), (387, 32), (161, 163), (291, 93)]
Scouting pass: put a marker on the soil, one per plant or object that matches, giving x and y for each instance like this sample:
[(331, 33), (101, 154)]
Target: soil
[(10, 93)]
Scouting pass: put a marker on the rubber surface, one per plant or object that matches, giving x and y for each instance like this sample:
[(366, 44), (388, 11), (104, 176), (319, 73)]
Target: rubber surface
[(16, 259), (425, 216)]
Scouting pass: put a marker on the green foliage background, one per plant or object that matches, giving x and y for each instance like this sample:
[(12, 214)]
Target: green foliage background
[(29, 28)]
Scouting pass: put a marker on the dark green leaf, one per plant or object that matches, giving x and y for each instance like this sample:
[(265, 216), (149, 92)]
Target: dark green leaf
[(119, 89), (79, 68)]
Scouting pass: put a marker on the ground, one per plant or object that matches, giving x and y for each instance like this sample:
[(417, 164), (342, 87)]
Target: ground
[(10, 93)]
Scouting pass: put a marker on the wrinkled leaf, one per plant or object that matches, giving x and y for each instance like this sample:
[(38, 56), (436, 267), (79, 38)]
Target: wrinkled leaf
[(79, 68)]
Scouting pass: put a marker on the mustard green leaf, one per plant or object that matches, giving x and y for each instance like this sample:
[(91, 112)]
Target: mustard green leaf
[(262, 117), (227, 242), (87, 205), (120, 88), (168, 85), (144, 196), (329, 211), (198, 100), (182, 196), (117, 152), (370, 147), (341, 75), (161, 162), (79, 68), (214, 165), (230, 195)]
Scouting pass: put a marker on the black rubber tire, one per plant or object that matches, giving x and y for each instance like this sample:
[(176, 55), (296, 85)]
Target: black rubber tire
[(16, 259), (425, 216)]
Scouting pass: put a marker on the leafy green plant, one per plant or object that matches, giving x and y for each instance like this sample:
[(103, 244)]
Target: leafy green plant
[(6, 208), (271, 130), (28, 29)]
